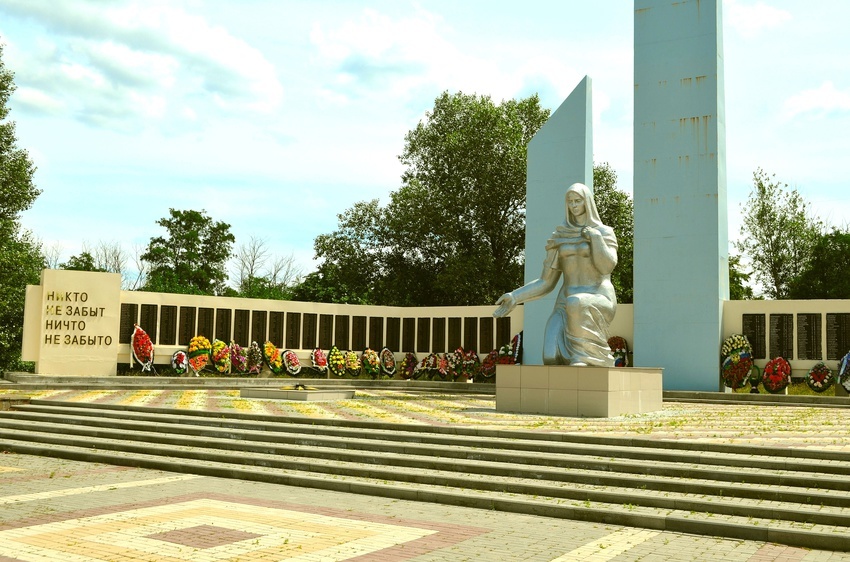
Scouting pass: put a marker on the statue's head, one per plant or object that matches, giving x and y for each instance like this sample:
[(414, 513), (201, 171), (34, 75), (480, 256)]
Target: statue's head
[(580, 206)]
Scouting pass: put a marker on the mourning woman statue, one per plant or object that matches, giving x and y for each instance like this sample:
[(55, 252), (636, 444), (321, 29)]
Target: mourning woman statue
[(584, 251)]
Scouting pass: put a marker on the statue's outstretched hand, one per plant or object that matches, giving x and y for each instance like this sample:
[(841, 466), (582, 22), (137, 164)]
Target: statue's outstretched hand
[(506, 304)]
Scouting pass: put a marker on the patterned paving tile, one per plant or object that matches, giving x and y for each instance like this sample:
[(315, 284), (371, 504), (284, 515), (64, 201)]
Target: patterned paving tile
[(214, 528)]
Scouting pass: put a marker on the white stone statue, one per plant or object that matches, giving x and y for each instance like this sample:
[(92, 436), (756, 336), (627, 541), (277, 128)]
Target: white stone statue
[(585, 251)]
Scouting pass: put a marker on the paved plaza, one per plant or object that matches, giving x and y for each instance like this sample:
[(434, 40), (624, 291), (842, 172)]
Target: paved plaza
[(55, 509)]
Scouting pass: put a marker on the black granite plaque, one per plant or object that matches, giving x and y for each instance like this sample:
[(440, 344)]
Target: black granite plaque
[(837, 335), (753, 326), (503, 331), (438, 335), (423, 335), (358, 333), (341, 332), (223, 320), (186, 324), (276, 327), (376, 332), (326, 331), (393, 341), (809, 337), (148, 320), (470, 334), (258, 327), (168, 325), (782, 335), (206, 322), (308, 335), (293, 330), (455, 340), (128, 319), (241, 328), (408, 335), (486, 332)]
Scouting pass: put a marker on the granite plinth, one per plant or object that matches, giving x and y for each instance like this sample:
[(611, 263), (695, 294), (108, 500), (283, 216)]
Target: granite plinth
[(593, 392)]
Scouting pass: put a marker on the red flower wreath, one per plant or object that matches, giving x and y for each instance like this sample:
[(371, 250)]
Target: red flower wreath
[(776, 375), (820, 377)]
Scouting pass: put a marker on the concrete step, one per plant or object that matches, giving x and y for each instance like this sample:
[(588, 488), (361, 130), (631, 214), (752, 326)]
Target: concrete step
[(728, 492), (415, 432), (558, 482), (607, 459)]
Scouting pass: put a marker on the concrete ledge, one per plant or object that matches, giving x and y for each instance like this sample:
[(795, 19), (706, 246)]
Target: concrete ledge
[(560, 390), (9, 403), (303, 394)]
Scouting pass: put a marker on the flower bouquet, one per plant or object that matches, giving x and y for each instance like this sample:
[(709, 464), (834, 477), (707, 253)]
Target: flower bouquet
[(442, 367), (737, 363), (387, 362), (271, 355), (620, 351), (733, 343), (254, 359), (428, 366), (221, 357), (488, 366), (238, 358), (291, 362), (142, 347), (336, 361), (371, 362), (776, 375), (320, 360), (516, 348), (409, 363), (736, 369), (352, 364), (199, 353), (844, 372), (820, 377), (454, 362), (179, 362), (471, 364)]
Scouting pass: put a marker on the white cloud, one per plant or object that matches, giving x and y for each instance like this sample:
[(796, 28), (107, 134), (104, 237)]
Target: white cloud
[(106, 57), (818, 101), (38, 101), (399, 58), (751, 19)]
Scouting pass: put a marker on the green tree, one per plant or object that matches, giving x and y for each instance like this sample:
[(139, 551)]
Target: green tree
[(778, 234), (453, 233), (825, 275), (192, 257), (21, 260), (738, 279), (83, 262), (617, 210)]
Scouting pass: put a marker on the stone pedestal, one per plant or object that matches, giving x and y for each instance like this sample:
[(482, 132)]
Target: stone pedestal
[(592, 392)]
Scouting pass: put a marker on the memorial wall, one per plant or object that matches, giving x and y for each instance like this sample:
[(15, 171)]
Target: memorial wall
[(803, 332), (80, 323)]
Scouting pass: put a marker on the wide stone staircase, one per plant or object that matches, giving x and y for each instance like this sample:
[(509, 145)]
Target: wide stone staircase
[(789, 496)]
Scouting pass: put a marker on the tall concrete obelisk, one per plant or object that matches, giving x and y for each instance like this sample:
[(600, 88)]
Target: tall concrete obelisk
[(681, 234), (559, 155)]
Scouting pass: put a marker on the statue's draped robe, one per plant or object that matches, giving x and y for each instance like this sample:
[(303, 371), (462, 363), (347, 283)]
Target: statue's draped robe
[(577, 331)]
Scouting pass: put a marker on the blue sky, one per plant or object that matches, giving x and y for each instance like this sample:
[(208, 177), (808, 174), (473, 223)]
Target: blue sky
[(274, 116)]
